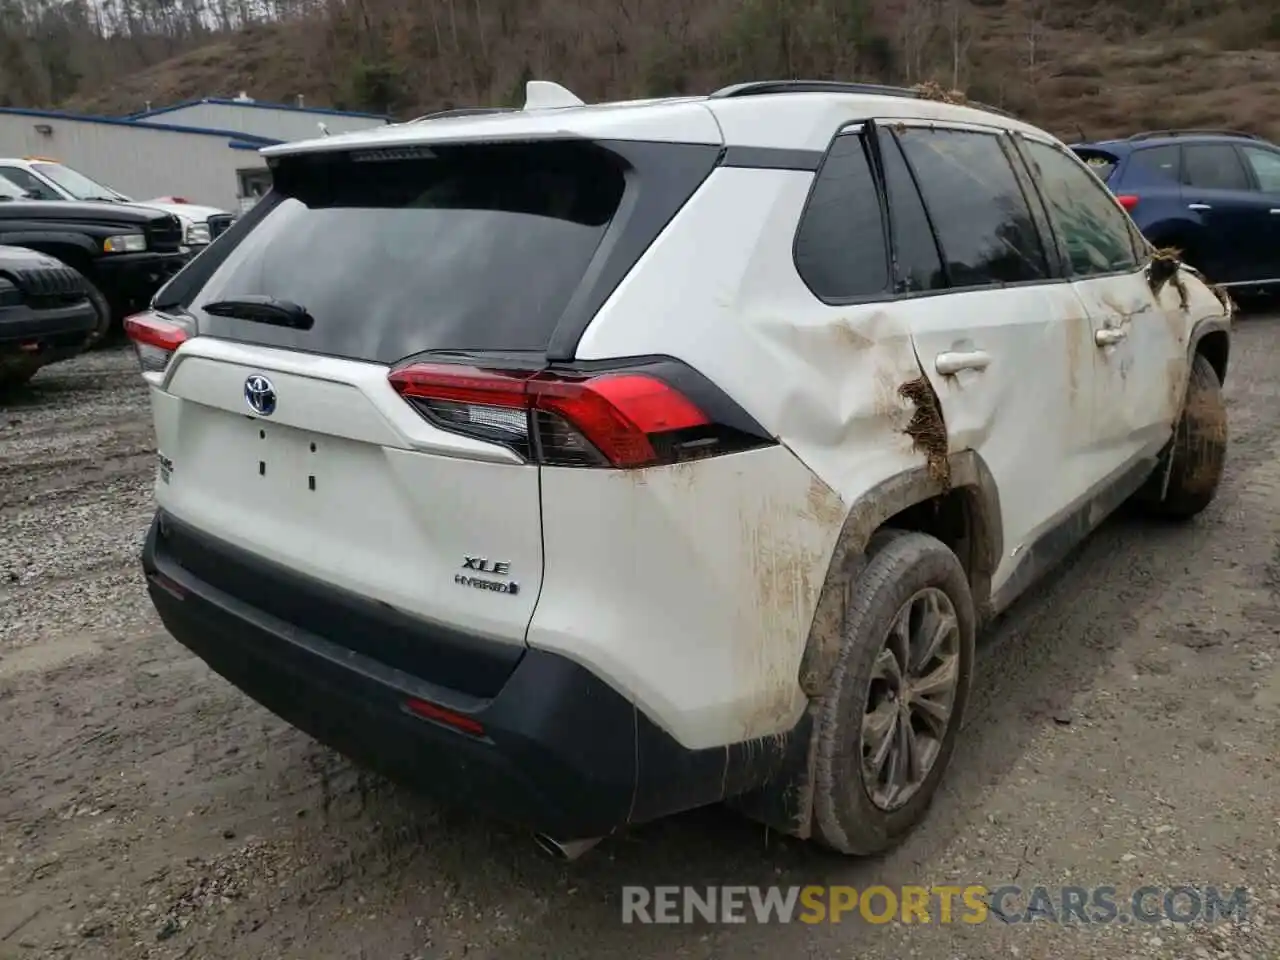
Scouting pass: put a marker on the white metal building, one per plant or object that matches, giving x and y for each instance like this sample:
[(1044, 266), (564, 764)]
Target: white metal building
[(141, 160), (274, 120), (205, 151)]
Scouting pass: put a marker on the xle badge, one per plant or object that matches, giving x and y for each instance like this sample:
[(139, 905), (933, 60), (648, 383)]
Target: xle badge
[(481, 565), (165, 467)]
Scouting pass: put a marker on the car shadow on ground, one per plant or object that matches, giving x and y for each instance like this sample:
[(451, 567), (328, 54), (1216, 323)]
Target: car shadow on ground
[(1031, 663), (37, 392)]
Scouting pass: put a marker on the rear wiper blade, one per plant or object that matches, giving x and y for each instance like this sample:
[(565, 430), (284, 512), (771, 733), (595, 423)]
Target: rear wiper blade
[(261, 309)]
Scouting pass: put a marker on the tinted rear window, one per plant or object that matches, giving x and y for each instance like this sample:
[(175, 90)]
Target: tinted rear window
[(476, 247)]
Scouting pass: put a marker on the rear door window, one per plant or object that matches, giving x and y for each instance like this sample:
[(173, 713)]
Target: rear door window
[(10, 190), (36, 189), (840, 249), (979, 212), (1154, 165), (1213, 166), (917, 262), (393, 253)]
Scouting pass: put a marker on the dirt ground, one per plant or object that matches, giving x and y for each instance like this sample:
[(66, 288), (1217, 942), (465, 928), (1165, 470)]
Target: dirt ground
[(1125, 732)]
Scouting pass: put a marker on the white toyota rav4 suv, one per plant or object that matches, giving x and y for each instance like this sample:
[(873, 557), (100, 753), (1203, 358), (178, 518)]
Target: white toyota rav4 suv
[(585, 464)]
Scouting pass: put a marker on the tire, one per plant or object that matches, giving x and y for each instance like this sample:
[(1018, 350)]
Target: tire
[(14, 375), (103, 309), (1198, 452), (100, 303), (906, 571)]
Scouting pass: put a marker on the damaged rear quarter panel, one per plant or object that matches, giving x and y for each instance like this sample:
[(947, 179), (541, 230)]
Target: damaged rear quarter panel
[(719, 291), (690, 587)]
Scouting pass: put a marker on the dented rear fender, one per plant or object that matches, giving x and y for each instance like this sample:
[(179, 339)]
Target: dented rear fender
[(968, 476)]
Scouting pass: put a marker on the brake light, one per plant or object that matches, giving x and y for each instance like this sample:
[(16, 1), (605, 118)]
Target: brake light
[(622, 419), (155, 339), (1127, 200)]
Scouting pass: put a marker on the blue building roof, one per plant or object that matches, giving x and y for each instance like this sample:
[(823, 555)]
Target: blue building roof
[(240, 141), (254, 104)]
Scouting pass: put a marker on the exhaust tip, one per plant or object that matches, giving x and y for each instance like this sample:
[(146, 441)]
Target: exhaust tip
[(564, 850)]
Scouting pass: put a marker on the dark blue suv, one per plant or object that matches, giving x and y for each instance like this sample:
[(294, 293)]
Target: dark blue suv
[(1214, 194)]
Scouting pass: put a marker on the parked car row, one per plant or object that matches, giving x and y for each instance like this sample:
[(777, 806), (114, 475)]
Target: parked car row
[(46, 179), (120, 254), (119, 251), (1212, 194)]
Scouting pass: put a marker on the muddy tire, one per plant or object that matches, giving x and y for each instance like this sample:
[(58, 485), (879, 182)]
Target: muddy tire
[(1198, 450), (887, 726)]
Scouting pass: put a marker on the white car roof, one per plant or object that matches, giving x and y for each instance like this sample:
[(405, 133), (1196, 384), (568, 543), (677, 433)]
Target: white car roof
[(800, 120)]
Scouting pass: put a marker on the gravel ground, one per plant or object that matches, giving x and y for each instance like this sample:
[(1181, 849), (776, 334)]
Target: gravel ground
[(1125, 732)]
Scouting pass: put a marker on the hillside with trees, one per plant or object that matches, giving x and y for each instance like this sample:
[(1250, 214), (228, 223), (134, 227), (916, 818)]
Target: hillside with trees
[(1091, 66)]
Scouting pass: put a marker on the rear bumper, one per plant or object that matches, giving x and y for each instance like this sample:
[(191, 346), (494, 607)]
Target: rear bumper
[(561, 753), (59, 325)]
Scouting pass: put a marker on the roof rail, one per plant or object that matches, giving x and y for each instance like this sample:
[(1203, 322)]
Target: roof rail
[(1192, 132), (464, 112), (758, 87)]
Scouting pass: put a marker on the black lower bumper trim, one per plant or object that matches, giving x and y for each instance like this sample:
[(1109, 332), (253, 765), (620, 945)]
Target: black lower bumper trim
[(562, 752), (22, 324)]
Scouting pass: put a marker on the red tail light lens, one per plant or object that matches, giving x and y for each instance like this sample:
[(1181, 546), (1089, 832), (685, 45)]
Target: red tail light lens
[(1127, 200), (155, 338), (620, 419)]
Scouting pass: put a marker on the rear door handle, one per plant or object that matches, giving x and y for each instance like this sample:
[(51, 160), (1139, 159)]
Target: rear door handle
[(1107, 336), (1275, 210), (950, 363), (1199, 206)]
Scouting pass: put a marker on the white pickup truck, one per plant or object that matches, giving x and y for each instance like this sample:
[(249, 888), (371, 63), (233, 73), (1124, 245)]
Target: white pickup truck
[(45, 179)]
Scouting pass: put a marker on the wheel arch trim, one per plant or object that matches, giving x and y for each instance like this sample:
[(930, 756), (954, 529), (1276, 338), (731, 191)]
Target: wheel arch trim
[(969, 476), (1219, 330)]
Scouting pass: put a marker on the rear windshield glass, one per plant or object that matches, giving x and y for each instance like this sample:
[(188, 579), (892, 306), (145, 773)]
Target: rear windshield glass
[(397, 251), (1101, 163)]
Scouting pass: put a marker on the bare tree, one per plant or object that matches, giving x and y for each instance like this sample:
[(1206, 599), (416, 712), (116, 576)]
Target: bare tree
[(1035, 14), (917, 32), (961, 35)]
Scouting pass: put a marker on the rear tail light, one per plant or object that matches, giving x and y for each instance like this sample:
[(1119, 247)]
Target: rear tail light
[(155, 338), (623, 419), (1127, 200)]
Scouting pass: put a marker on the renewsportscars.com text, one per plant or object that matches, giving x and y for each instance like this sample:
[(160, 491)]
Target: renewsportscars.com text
[(970, 904)]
